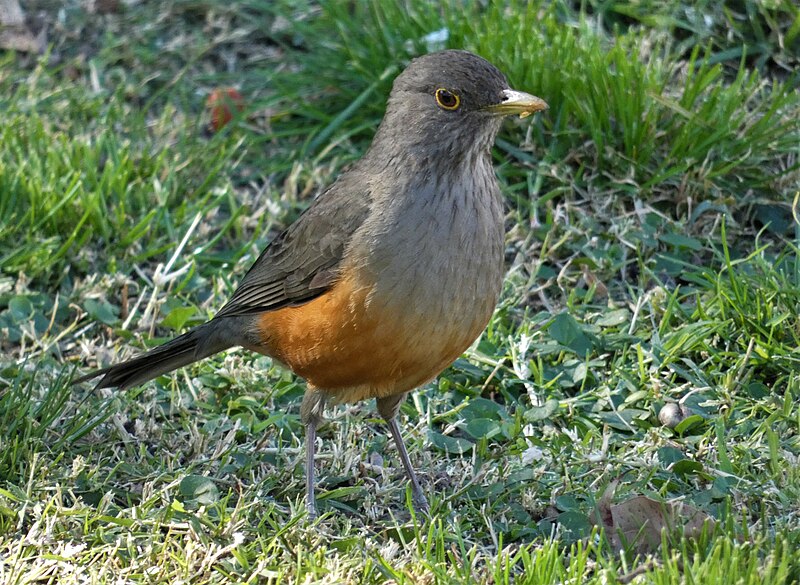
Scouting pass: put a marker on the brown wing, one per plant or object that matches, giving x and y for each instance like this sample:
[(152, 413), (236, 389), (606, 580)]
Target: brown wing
[(302, 262)]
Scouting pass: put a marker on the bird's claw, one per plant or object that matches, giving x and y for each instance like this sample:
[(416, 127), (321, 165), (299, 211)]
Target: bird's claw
[(420, 504)]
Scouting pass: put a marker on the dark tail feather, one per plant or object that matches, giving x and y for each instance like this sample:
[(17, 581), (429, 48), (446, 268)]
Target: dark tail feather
[(190, 347)]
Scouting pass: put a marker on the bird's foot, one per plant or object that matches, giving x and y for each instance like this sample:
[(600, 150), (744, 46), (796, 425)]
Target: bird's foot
[(420, 503), (311, 509)]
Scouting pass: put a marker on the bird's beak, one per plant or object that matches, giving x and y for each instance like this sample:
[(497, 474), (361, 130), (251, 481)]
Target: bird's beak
[(518, 102)]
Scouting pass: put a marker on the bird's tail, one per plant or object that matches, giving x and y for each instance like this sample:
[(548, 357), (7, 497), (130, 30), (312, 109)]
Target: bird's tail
[(190, 347)]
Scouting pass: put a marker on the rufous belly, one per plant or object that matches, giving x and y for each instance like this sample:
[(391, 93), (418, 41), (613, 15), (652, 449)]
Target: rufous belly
[(351, 347)]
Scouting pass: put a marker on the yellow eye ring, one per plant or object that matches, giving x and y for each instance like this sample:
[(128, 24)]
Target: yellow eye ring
[(447, 100)]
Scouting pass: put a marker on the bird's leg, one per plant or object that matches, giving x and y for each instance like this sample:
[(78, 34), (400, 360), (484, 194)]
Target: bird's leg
[(311, 414), (417, 496), (311, 439), (388, 407)]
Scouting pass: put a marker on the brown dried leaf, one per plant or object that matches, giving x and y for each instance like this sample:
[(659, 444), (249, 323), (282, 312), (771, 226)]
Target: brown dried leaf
[(641, 520), (223, 104), (638, 522)]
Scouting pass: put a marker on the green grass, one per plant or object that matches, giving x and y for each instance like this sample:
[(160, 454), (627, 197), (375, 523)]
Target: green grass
[(653, 251)]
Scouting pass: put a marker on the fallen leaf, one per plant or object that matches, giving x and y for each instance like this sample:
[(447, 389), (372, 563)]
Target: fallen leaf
[(223, 103), (638, 523)]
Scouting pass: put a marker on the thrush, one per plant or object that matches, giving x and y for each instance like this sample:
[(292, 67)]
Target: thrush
[(391, 273)]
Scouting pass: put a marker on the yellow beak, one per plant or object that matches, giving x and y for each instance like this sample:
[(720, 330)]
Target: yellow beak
[(518, 102)]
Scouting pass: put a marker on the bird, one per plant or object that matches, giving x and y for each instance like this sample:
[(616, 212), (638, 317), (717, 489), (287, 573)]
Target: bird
[(391, 273)]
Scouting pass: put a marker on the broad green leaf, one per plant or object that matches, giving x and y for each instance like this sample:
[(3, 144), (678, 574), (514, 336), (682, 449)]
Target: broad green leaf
[(178, 317), (101, 311), (454, 445), (199, 488), (566, 331)]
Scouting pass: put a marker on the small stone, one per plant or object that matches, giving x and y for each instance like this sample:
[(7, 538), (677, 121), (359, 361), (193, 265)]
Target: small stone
[(672, 413)]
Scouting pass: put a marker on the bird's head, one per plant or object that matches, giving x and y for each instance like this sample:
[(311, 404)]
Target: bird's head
[(452, 100)]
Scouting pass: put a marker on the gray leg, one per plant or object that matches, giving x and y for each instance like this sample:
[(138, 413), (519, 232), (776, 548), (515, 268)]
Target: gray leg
[(417, 496), (311, 414), (311, 439), (388, 408)]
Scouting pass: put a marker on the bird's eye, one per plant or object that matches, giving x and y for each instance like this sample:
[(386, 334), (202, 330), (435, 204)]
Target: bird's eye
[(447, 100)]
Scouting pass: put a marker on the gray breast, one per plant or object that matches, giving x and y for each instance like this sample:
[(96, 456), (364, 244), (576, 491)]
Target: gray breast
[(435, 249)]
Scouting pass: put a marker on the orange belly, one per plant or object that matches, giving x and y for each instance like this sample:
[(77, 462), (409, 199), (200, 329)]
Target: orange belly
[(345, 345)]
